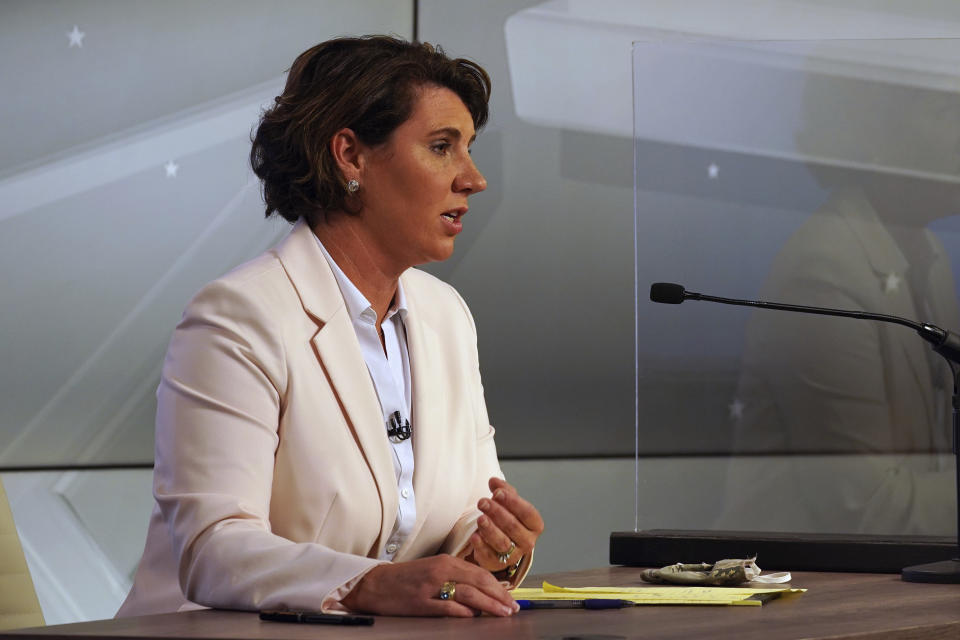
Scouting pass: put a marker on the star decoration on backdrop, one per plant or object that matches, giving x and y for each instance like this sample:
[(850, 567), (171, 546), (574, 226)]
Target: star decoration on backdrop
[(736, 409), (76, 37), (891, 284), (713, 171), (171, 168)]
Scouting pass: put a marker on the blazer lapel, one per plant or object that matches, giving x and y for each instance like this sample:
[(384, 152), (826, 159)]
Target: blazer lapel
[(945, 314), (890, 268), (944, 308), (340, 357), (429, 432)]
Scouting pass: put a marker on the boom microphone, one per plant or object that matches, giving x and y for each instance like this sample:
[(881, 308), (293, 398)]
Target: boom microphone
[(944, 342)]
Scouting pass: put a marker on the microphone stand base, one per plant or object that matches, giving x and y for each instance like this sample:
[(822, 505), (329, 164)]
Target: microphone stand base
[(943, 572)]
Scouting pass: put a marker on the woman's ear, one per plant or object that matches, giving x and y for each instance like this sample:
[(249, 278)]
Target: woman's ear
[(346, 150)]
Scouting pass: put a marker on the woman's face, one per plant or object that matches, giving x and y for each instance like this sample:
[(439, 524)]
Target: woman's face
[(414, 187)]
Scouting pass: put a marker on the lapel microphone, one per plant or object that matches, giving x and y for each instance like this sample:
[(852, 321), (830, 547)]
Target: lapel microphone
[(398, 429)]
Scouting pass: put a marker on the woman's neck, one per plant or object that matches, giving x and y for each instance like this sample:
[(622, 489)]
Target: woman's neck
[(343, 237)]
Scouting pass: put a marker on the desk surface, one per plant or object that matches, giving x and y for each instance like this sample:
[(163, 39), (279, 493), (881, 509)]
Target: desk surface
[(859, 606)]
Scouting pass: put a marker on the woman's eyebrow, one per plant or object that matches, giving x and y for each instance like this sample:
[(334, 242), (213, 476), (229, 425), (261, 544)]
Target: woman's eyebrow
[(453, 132)]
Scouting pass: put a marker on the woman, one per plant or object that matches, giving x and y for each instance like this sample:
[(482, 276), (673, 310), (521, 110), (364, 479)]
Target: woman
[(302, 390)]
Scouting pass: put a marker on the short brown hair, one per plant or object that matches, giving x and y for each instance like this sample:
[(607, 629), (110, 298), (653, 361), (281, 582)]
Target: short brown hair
[(368, 84)]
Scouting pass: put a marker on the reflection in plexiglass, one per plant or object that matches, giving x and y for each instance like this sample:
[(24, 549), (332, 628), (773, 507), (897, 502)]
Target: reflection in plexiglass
[(811, 173)]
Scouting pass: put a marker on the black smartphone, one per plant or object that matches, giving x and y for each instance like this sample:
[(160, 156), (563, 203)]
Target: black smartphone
[(308, 617)]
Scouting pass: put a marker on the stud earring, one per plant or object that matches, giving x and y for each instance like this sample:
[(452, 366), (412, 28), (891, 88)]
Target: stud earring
[(353, 186)]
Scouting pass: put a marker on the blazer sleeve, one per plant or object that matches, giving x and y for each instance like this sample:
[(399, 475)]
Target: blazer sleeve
[(487, 464), (221, 394)]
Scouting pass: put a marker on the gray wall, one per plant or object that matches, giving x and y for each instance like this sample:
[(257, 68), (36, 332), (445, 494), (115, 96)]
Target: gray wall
[(545, 262), (124, 186)]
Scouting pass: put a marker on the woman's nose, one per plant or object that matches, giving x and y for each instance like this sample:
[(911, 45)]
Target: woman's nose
[(470, 179)]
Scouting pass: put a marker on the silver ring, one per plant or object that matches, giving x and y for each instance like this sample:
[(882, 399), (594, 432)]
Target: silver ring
[(504, 557), (448, 590)]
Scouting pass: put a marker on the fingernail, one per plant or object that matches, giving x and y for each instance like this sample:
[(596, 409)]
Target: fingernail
[(516, 607), (484, 503), (504, 584), (482, 520), (507, 611)]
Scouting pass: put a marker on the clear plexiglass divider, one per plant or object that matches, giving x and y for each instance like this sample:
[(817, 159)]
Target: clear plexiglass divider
[(819, 173)]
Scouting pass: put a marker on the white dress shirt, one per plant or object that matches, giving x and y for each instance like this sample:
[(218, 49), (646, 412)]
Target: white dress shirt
[(390, 372)]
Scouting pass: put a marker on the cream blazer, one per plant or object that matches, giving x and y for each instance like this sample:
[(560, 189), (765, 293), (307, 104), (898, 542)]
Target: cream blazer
[(274, 482)]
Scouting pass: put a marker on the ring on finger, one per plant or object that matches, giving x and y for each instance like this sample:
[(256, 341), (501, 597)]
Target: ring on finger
[(448, 590), (504, 556)]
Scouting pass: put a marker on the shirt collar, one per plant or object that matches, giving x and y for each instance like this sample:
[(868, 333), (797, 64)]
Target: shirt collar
[(357, 304)]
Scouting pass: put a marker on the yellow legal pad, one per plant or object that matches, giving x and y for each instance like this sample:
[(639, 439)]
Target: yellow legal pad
[(747, 596)]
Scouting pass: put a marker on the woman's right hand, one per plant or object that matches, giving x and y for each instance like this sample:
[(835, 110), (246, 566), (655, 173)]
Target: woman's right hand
[(413, 589)]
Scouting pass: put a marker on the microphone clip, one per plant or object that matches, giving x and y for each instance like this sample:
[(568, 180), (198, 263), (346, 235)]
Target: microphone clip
[(398, 429)]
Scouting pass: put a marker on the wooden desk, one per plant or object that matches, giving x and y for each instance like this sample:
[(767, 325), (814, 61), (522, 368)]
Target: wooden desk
[(859, 606)]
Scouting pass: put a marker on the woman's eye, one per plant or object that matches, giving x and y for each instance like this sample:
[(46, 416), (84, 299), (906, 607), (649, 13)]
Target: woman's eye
[(440, 147)]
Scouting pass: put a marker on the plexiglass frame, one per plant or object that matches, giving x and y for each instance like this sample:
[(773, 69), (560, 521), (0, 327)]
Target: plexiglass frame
[(821, 173)]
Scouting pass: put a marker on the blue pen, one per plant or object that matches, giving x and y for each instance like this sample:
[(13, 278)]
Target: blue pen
[(590, 603)]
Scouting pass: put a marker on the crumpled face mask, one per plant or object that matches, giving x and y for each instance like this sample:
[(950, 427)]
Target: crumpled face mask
[(723, 573)]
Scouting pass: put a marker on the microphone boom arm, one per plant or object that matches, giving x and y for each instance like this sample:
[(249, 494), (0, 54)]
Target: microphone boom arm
[(945, 343), (863, 315)]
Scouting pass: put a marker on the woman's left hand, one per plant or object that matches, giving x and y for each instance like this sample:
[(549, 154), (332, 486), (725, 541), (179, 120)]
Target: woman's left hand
[(507, 530)]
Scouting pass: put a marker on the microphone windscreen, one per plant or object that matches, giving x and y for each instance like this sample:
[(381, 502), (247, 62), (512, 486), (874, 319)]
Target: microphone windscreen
[(667, 293)]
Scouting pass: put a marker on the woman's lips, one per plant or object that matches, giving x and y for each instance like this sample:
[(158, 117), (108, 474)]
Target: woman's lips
[(454, 219)]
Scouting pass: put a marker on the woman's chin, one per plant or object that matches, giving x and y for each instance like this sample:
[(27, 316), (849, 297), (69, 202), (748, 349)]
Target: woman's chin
[(441, 252)]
